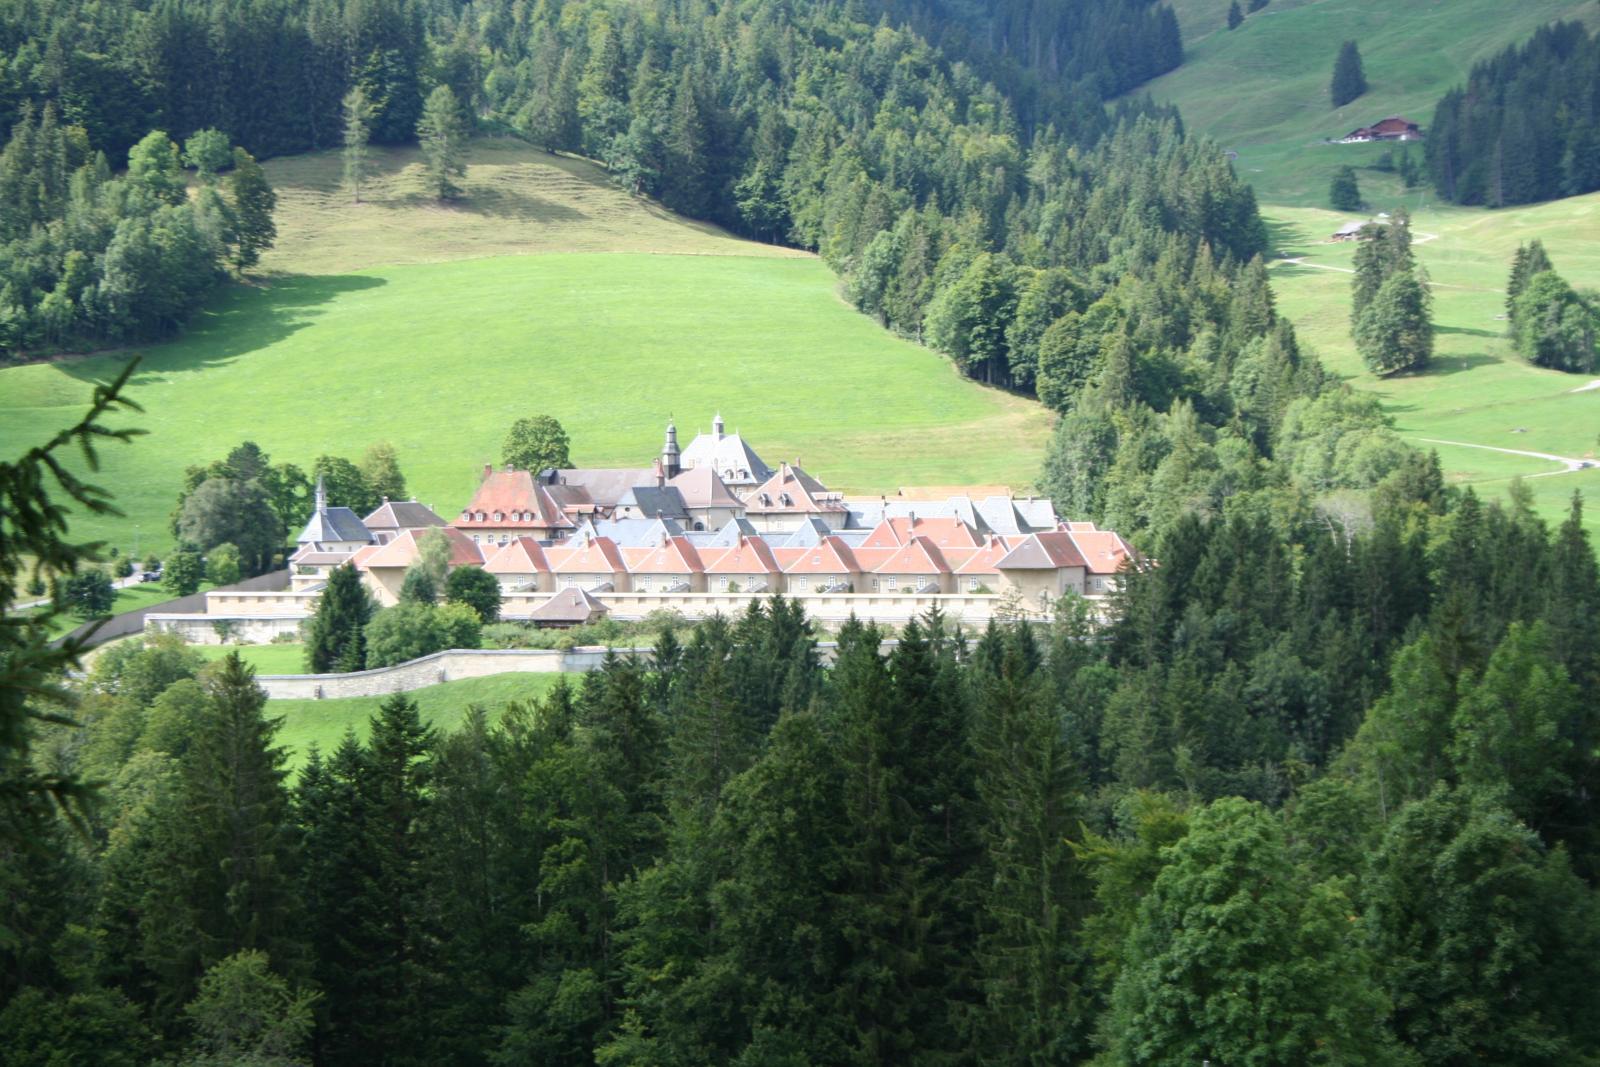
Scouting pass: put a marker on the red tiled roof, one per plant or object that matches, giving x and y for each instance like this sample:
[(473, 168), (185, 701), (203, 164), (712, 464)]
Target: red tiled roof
[(982, 560), (675, 555), (521, 555), (919, 556), (403, 551), (792, 490), (1103, 552), (589, 555), (511, 498), (830, 556), (750, 556)]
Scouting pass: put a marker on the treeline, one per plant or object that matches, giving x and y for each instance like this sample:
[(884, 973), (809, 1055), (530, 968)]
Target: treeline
[(1371, 750), (89, 258), (1525, 127), (271, 73)]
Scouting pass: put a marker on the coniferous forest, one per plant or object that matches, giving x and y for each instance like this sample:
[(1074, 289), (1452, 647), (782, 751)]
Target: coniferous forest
[(1319, 789), (1497, 140), (1319, 793)]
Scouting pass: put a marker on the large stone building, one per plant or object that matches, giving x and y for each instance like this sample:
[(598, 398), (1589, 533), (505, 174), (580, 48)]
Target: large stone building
[(680, 535)]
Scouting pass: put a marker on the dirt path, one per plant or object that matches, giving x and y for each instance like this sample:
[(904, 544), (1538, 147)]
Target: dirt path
[(1568, 463), (1586, 388)]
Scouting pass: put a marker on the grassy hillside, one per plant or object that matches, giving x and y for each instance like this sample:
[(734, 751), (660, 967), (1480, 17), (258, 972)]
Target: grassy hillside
[(1478, 391), (444, 707), (440, 357), (1262, 89)]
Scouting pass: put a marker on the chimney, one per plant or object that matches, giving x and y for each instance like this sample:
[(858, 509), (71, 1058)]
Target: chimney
[(488, 469), (661, 474)]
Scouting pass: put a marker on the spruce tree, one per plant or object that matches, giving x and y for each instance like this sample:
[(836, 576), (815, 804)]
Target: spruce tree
[(1530, 259), (253, 204), (224, 857), (1349, 81), (1395, 332), (337, 641), (442, 133), (1235, 16), (1344, 194), (357, 132)]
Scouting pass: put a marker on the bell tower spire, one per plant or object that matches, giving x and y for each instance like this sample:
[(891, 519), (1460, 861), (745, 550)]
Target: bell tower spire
[(671, 464), (322, 495)]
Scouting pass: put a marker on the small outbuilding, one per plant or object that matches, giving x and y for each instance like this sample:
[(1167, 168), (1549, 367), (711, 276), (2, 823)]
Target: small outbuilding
[(568, 608)]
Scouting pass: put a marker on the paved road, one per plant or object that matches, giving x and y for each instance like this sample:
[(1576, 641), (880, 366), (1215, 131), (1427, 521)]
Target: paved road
[(116, 583), (1568, 463)]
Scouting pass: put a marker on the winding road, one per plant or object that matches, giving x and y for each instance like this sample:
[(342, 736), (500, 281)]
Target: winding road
[(1568, 463)]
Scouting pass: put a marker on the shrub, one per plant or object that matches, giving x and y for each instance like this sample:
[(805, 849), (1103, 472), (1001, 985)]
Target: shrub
[(403, 633), (461, 625)]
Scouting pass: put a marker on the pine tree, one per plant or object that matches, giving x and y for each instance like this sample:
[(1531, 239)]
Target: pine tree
[(253, 204), (1344, 194), (357, 132), (1349, 81), (1235, 16), (337, 641), (442, 132), (224, 858)]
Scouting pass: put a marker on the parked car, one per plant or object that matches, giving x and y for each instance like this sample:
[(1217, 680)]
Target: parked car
[(150, 576)]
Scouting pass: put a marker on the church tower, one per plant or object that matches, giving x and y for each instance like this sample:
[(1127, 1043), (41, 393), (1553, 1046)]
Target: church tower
[(671, 466)]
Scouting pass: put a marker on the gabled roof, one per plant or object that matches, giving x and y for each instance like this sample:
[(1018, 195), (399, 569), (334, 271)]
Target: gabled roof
[(751, 555), (571, 499), (516, 498), (727, 453), (587, 555), (633, 533), (810, 532), (984, 560), (402, 515), (334, 524), (918, 556), (605, 485), (403, 551), (675, 555), (320, 559), (729, 535), (944, 532), (1103, 552), (1046, 551), (792, 490), (701, 487), (832, 556), (521, 555), (655, 501), (569, 605)]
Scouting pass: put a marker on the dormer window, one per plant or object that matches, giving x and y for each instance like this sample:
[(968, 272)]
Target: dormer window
[(499, 516), (480, 516)]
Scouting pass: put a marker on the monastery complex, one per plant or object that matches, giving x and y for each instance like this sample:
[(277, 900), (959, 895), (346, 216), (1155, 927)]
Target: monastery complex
[(699, 531)]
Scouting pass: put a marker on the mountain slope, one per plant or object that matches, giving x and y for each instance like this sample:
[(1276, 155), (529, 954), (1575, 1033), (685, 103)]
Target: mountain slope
[(441, 356), (1262, 89)]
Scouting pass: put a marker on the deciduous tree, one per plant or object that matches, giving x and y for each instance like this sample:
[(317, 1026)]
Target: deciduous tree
[(535, 444)]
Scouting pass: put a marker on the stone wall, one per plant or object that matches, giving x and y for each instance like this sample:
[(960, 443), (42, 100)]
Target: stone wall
[(225, 629), (459, 663)]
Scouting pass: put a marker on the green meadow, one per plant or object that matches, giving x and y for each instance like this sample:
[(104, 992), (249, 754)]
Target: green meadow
[(444, 707), (439, 358), (1262, 89)]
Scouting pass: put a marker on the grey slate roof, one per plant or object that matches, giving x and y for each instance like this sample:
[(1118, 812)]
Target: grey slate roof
[(726, 537), (402, 515), (334, 524), (570, 606), (633, 533), (655, 501), (605, 485)]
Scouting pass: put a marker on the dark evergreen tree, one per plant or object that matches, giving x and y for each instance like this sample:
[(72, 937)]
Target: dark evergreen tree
[(1235, 15), (337, 641), (1349, 79), (1344, 194)]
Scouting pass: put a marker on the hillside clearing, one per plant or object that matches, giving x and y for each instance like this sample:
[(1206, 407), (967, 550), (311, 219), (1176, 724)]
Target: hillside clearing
[(517, 201), (439, 359), (1262, 89)]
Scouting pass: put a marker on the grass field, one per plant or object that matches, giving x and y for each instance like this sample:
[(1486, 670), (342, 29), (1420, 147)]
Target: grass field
[(324, 722), (1262, 89), (439, 358), (266, 659), (1477, 391)]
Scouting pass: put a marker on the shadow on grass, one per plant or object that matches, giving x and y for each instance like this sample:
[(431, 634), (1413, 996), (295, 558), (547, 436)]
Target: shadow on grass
[(238, 320), (1285, 238), (1441, 366), (1469, 331)]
